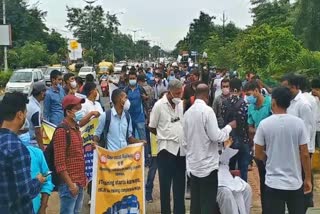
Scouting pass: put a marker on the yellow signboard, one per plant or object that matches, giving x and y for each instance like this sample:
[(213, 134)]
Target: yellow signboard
[(74, 44), (118, 181)]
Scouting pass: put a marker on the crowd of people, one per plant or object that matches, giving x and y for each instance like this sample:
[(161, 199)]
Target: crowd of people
[(209, 125)]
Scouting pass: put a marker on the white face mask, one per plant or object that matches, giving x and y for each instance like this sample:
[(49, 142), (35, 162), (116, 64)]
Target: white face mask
[(127, 105), (176, 101), (73, 84)]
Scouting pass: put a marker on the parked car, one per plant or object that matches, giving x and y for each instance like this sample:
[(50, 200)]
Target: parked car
[(22, 80), (84, 71), (48, 71)]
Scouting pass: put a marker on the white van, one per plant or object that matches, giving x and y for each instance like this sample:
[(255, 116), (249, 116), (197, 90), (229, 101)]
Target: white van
[(22, 80)]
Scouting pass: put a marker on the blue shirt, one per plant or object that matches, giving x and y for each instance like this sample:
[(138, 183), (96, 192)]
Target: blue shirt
[(256, 115), (136, 108), (53, 111), (150, 78), (33, 116), (117, 136), (16, 185)]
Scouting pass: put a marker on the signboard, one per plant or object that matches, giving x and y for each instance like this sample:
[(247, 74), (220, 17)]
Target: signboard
[(194, 53), (5, 35), (118, 181), (74, 45)]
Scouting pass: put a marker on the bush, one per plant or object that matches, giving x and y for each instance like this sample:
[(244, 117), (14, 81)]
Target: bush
[(4, 78)]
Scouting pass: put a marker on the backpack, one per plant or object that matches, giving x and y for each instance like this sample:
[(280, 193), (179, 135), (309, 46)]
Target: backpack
[(103, 142), (49, 154), (231, 114)]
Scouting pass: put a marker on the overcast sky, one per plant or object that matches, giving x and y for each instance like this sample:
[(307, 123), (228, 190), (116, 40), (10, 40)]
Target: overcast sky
[(164, 21)]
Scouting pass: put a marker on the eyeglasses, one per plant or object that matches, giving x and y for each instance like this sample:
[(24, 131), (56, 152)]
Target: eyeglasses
[(173, 120)]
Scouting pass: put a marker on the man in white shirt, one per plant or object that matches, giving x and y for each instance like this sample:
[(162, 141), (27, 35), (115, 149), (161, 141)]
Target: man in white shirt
[(201, 138), (166, 121), (281, 140), (302, 108), (315, 85)]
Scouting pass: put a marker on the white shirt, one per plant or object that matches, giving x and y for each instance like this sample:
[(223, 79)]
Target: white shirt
[(282, 135), (201, 138), (301, 108), (168, 122), (217, 84), (313, 102), (317, 114), (90, 106)]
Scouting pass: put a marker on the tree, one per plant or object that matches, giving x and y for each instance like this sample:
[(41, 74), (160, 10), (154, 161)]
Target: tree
[(33, 54), (275, 13), (267, 50), (308, 23)]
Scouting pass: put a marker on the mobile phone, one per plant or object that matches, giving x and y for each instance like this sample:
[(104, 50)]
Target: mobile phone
[(48, 173)]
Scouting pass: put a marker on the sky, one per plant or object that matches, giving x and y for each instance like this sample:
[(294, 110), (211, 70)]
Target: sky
[(164, 22)]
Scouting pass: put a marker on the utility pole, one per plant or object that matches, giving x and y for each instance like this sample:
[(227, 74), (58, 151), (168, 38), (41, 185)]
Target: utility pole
[(91, 33), (224, 20), (5, 47)]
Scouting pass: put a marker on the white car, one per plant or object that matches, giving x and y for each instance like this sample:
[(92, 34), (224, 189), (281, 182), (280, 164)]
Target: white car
[(84, 71), (22, 80)]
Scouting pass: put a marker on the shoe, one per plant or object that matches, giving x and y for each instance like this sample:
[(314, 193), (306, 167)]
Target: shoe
[(149, 199), (89, 202)]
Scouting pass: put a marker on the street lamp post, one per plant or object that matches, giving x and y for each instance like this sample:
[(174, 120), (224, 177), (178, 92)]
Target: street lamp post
[(5, 47), (91, 33)]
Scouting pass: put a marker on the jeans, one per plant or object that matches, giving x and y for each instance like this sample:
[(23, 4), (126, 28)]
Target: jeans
[(242, 157), (172, 170), (151, 175), (68, 203), (204, 194), (277, 199)]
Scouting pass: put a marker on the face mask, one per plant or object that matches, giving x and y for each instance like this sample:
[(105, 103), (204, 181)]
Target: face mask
[(175, 100), (73, 84), (251, 99), (218, 76), (78, 116), (225, 91), (133, 82), (127, 105), (151, 78), (25, 138)]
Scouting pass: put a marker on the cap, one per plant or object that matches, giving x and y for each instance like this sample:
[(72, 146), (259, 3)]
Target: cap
[(71, 100), (39, 86)]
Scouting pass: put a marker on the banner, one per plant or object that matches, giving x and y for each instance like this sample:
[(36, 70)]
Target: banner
[(87, 133), (47, 131), (118, 181)]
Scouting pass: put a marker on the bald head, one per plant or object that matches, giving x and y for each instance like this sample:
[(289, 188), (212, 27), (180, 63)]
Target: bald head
[(202, 92)]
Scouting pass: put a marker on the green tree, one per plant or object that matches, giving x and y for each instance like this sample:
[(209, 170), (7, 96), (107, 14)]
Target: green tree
[(267, 50), (307, 27), (33, 54)]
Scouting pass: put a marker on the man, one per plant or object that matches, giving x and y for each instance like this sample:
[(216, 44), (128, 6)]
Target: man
[(17, 187), (90, 108), (137, 95), (234, 194), (160, 86), (149, 92), (201, 138), (189, 90), (69, 159), (150, 77), (52, 106), (114, 137), (300, 107), (38, 165), (34, 113), (279, 138), (166, 122), (217, 103), (315, 85), (235, 108), (249, 76), (70, 84), (259, 109), (217, 82)]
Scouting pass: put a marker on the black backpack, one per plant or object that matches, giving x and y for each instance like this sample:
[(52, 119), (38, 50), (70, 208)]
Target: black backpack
[(49, 154)]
